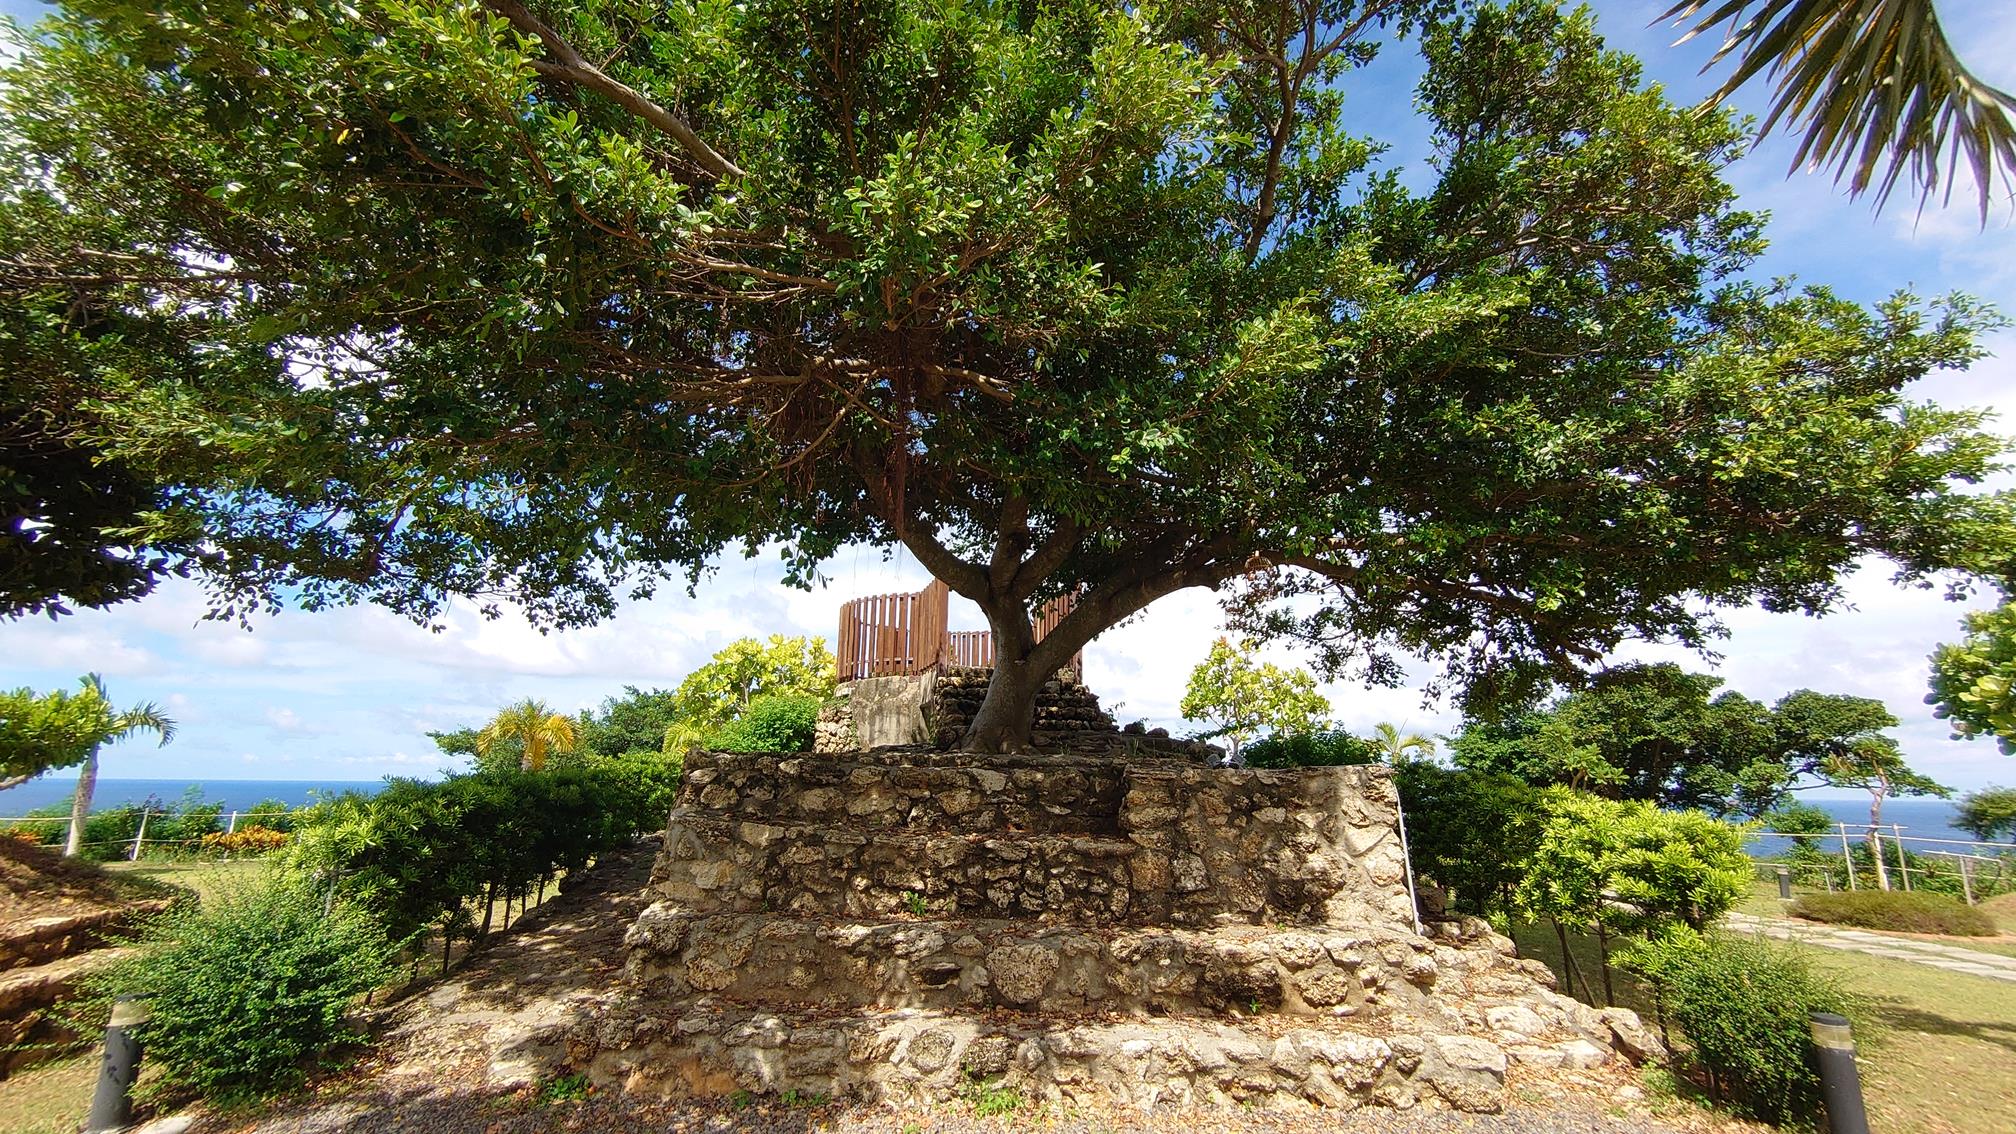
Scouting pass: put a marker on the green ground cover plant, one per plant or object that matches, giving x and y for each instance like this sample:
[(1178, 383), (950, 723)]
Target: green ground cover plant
[(1915, 912), (777, 722)]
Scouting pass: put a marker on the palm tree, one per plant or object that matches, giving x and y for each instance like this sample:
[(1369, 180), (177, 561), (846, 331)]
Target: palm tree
[(534, 729), (1866, 78), (1399, 749), (108, 727)]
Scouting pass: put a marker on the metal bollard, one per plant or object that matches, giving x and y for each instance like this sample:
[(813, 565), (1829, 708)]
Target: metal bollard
[(1840, 1083), (1784, 884), (112, 1103)]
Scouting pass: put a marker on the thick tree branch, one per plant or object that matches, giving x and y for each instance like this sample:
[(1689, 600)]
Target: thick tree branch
[(1048, 556), (568, 65)]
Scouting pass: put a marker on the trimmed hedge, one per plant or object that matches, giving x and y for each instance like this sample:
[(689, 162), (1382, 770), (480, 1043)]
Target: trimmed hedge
[(1906, 912)]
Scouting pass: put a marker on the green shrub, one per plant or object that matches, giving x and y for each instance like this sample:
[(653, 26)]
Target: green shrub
[(1324, 748), (1743, 1005), (1471, 832), (249, 989), (779, 722), (1914, 912)]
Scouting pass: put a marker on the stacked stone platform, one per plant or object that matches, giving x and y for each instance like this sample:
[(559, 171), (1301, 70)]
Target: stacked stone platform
[(904, 923)]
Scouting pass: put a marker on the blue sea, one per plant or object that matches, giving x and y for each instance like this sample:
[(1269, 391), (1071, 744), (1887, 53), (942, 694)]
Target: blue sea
[(1919, 818), (231, 795)]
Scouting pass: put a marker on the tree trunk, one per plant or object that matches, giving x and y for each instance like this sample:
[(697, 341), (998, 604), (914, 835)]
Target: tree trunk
[(1008, 714), (80, 804)]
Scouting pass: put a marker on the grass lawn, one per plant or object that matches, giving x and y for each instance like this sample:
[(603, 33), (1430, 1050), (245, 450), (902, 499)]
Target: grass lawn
[(208, 879), (51, 1099), (1943, 1057)]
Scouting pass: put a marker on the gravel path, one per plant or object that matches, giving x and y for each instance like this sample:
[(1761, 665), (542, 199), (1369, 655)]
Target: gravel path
[(1939, 955), (378, 1111), (436, 1070)]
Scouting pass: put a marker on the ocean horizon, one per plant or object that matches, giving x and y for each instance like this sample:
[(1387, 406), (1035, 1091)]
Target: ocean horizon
[(231, 795), (1919, 818)]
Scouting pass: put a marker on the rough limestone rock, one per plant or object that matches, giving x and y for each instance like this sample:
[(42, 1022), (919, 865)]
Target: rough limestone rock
[(1091, 924)]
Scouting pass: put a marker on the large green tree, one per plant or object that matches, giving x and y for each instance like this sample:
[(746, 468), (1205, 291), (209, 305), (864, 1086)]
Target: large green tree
[(544, 303), (1659, 734)]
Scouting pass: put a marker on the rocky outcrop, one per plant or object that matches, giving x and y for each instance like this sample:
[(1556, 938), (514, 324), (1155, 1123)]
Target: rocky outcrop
[(903, 923)]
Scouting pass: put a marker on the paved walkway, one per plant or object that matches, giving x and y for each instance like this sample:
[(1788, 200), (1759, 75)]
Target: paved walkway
[(1937, 954)]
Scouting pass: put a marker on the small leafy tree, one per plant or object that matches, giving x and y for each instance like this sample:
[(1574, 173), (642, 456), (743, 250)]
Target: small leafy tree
[(42, 732), (738, 674), (1630, 867), (526, 734), (1974, 679), (1246, 696), (1988, 814), (98, 724)]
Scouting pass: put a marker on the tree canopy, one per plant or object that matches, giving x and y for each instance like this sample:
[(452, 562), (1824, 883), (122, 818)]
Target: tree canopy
[(547, 303), (1660, 734)]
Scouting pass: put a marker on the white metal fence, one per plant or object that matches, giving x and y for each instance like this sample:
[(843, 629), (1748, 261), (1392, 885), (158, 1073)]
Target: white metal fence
[(139, 843), (1973, 867)]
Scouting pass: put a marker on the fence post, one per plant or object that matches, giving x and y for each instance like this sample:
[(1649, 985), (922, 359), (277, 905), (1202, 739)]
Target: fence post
[(232, 827), (1847, 855), (1967, 877), (1784, 884), (1903, 862), (139, 836)]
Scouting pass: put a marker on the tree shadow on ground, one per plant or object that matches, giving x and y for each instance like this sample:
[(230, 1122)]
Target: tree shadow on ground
[(425, 1108), (1891, 1015)]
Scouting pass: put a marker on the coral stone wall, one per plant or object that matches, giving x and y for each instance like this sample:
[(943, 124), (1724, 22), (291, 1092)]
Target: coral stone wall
[(1048, 839)]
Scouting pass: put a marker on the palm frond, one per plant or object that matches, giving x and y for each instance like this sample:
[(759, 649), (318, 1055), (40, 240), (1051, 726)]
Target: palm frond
[(1875, 85), (148, 718)]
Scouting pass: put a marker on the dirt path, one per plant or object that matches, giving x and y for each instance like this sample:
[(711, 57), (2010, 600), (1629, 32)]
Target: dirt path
[(1938, 954), (472, 1054)]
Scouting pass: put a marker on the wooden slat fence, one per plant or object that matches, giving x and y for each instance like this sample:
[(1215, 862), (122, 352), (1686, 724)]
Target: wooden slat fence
[(904, 634)]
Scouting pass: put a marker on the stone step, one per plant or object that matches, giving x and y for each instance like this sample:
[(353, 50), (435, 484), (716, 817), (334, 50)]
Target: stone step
[(33, 1024), (39, 940), (919, 1056), (714, 864), (976, 965), (892, 789)]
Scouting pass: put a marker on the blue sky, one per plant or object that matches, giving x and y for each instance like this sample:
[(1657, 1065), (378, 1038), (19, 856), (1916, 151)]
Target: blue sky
[(349, 694)]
